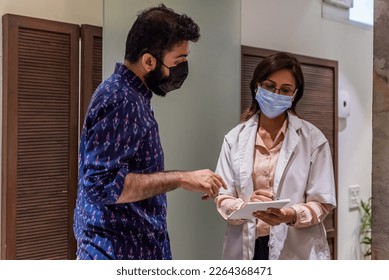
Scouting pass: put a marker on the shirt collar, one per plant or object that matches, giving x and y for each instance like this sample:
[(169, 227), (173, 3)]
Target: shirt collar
[(279, 137), (134, 80)]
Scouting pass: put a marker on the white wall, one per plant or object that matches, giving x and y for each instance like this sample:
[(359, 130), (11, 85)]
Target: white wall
[(298, 27)]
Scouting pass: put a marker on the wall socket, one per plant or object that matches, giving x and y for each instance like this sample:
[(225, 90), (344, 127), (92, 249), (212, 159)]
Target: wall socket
[(353, 197)]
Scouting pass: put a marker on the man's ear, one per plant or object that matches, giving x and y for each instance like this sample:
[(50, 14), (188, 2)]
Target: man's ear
[(149, 62)]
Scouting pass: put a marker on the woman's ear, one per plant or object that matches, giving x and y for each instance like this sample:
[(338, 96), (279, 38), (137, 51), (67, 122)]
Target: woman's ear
[(149, 62)]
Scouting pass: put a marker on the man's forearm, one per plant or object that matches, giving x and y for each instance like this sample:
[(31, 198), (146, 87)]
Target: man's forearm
[(141, 186)]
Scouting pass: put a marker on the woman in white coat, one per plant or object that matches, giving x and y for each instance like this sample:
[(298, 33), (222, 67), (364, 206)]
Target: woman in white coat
[(273, 154)]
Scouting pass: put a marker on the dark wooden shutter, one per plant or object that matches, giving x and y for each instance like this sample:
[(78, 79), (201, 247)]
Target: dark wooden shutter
[(40, 130), (318, 106), (91, 64)]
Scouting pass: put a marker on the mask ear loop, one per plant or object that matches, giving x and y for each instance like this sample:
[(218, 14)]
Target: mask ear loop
[(294, 95)]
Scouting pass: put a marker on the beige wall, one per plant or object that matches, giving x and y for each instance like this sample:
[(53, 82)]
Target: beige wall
[(72, 11)]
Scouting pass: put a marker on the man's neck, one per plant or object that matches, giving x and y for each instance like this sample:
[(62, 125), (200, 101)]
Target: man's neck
[(136, 68)]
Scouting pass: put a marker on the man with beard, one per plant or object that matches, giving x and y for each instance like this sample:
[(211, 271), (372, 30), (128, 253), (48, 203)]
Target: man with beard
[(121, 205)]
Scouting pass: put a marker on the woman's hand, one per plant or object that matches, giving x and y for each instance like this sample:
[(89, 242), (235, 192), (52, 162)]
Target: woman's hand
[(274, 216), (262, 195)]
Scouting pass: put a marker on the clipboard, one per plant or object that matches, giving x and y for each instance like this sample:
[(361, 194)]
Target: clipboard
[(246, 211)]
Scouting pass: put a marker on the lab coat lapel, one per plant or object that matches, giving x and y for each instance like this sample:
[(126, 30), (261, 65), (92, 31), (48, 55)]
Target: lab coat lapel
[(246, 156), (289, 145)]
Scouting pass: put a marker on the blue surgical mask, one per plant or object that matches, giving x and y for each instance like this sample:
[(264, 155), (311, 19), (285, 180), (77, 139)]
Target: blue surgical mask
[(272, 104)]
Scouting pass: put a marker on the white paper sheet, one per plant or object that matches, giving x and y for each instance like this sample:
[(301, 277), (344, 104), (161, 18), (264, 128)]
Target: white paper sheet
[(246, 212)]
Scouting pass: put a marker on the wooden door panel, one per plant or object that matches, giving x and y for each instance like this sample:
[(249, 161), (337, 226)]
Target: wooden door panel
[(40, 137)]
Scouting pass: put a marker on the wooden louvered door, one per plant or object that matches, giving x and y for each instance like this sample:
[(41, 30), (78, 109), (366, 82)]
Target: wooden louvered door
[(40, 138), (318, 106), (91, 64)]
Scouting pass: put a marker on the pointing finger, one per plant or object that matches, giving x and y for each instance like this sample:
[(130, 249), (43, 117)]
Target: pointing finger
[(220, 181)]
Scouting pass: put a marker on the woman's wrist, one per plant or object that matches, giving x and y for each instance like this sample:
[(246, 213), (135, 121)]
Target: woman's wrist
[(293, 220)]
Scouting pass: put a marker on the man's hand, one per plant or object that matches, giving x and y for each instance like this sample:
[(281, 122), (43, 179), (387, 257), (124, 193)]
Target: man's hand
[(204, 181), (141, 186)]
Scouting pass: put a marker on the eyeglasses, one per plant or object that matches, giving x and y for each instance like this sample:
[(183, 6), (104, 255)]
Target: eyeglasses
[(283, 90)]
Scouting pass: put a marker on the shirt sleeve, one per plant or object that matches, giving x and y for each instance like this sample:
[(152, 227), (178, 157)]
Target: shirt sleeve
[(321, 182), (227, 201), (320, 189), (310, 213), (226, 205), (112, 137)]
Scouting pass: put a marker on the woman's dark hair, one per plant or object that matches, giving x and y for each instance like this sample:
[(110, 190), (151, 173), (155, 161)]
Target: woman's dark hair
[(269, 65), (157, 30)]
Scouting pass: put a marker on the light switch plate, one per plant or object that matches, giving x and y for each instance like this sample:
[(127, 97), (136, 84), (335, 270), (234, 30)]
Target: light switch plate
[(353, 196)]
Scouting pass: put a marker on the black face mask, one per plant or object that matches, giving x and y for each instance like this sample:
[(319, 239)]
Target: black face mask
[(161, 85)]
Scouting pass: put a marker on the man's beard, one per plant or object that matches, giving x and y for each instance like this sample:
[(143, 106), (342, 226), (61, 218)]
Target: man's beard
[(154, 78)]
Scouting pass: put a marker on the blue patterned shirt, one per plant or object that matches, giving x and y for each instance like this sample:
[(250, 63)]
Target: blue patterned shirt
[(120, 135)]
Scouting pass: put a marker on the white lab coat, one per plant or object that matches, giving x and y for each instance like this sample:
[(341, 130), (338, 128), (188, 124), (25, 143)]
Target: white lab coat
[(304, 172)]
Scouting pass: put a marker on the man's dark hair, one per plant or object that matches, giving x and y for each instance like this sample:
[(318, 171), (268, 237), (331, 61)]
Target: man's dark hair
[(157, 30)]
